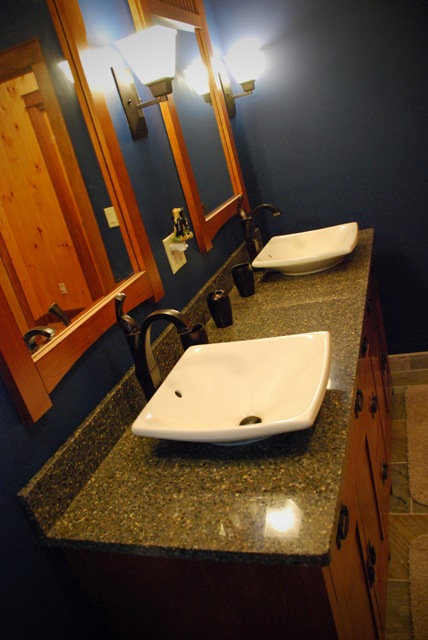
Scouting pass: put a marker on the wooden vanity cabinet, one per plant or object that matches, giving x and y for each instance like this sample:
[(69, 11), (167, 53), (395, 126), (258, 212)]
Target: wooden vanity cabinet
[(360, 559)]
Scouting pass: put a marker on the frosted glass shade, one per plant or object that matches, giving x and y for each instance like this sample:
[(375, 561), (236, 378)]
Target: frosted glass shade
[(245, 61), (150, 53), (65, 68)]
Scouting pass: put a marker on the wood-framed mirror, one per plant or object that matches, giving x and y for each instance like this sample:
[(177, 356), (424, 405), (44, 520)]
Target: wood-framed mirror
[(191, 13), (30, 377)]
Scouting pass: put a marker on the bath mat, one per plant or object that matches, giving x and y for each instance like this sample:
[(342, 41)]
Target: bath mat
[(417, 441), (418, 579)]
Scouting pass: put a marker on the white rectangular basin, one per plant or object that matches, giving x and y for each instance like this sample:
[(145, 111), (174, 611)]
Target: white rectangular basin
[(310, 251), (236, 392)]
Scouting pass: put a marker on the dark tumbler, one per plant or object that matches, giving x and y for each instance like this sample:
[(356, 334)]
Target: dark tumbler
[(243, 278), (220, 308)]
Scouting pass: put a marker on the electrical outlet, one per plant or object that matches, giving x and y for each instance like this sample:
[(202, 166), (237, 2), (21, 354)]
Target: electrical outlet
[(176, 259)]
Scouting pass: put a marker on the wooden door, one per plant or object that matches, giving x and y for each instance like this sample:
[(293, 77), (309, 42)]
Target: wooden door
[(37, 250)]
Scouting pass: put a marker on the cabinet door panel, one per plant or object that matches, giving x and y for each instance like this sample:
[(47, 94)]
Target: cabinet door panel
[(358, 619), (383, 477), (360, 560), (372, 533), (347, 568)]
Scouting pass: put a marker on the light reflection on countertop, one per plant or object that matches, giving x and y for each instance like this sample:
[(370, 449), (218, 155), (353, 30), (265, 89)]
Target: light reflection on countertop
[(282, 520)]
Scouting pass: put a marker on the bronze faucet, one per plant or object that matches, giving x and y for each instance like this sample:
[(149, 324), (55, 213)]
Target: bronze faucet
[(139, 341)]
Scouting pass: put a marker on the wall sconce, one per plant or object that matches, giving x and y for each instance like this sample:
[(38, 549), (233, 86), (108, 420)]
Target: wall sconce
[(245, 62), (151, 55)]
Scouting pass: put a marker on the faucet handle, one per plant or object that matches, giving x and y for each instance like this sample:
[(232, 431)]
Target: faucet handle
[(194, 336), (128, 325), (56, 310), (239, 210)]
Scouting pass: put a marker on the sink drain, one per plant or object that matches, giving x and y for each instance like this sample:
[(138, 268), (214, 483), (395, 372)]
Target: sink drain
[(250, 420)]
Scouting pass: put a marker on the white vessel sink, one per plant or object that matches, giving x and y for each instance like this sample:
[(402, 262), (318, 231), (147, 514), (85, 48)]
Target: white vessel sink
[(308, 252), (216, 391)]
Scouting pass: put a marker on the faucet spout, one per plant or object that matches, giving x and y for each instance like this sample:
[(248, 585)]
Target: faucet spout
[(30, 337), (249, 227), (139, 339)]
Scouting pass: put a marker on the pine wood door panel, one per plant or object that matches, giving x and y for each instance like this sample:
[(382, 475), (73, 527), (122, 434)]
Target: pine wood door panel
[(33, 227)]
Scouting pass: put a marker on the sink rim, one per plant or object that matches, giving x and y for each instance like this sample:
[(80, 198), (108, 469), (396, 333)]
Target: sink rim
[(315, 263), (149, 422)]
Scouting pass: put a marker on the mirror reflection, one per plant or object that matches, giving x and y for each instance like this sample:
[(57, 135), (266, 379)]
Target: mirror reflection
[(60, 239), (208, 211), (200, 129)]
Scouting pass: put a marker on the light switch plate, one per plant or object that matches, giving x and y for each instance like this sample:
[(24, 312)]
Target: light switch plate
[(111, 217)]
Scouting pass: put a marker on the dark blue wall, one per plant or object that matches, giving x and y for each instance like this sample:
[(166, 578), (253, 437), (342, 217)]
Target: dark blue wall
[(38, 595), (337, 131)]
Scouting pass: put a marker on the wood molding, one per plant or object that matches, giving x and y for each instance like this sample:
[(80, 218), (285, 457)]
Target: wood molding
[(17, 369), (56, 358), (217, 218)]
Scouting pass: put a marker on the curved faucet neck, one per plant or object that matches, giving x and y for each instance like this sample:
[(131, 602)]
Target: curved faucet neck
[(248, 221), (139, 341), (146, 367), (251, 218), (266, 205), (169, 315)]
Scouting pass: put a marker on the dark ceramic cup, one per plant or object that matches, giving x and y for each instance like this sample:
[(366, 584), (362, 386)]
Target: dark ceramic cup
[(220, 308), (243, 278)]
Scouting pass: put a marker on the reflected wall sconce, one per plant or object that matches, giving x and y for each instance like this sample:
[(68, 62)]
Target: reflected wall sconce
[(150, 53), (196, 77), (97, 62), (65, 68), (245, 62)]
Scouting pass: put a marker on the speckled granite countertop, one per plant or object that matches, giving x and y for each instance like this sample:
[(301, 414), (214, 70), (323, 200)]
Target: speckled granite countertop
[(153, 497)]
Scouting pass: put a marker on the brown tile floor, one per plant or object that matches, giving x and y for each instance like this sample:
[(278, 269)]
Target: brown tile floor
[(407, 518)]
